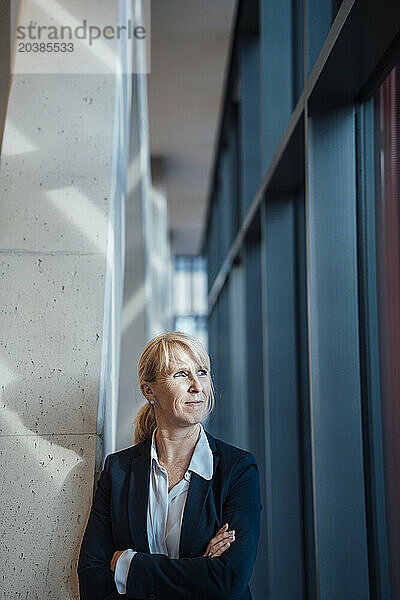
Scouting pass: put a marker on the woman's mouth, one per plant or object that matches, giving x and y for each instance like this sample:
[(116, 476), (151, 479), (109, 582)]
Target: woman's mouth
[(195, 403)]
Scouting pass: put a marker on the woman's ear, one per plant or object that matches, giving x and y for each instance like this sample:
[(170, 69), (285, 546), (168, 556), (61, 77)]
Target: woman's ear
[(147, 391)]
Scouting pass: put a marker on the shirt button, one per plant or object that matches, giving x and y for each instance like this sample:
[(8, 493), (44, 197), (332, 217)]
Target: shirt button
[(152, 597)]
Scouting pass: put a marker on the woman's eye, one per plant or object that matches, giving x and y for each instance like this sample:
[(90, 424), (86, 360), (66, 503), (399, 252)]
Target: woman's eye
[(203, 372), (179, 373)]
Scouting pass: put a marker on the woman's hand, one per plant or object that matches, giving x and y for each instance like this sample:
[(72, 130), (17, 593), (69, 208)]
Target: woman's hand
[(220, 542), (114, 559)]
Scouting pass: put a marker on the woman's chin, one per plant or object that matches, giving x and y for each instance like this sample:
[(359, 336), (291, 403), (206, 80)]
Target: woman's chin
[(191, 417)]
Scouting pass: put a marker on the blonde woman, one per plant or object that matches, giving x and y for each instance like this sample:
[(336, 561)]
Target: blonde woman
[(177, 515)]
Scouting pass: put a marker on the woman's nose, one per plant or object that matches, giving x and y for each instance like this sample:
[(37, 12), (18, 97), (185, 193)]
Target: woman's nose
[(195, 383)]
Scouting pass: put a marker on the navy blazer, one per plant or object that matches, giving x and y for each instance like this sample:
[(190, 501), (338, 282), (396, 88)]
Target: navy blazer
[(118, 520)]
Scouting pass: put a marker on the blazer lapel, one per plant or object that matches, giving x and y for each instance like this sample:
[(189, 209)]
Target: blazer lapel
[(138, 496), (195, 502)]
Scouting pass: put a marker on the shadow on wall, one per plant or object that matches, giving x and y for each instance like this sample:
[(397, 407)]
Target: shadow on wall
[(49, 492)]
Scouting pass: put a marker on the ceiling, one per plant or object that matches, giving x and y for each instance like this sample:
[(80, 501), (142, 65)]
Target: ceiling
[(190, 42)]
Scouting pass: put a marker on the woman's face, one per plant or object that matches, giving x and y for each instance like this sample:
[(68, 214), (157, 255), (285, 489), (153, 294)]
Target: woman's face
[(180, 395)]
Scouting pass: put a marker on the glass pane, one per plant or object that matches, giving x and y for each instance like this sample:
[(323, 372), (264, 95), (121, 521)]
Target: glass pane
[(190, 296), (387, 168)]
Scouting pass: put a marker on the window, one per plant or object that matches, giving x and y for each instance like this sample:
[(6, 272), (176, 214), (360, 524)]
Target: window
[(387, 226), (190, 296)]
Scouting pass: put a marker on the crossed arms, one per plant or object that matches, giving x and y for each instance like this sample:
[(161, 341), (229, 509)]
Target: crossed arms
[(156, 576)]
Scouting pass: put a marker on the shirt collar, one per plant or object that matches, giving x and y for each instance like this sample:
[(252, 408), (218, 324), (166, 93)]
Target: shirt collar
[(202, 457)]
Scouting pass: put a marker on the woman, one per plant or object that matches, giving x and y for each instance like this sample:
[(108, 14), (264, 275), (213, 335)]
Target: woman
[(158, 527)]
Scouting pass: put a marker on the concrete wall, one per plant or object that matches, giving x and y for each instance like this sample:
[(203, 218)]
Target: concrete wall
[(64, 170), (55, 183)]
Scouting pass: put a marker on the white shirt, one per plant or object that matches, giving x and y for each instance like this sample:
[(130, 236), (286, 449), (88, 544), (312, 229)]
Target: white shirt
[(165, 509)]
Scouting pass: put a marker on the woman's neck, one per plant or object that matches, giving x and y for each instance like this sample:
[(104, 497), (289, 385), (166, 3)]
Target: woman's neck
[(176, 444)]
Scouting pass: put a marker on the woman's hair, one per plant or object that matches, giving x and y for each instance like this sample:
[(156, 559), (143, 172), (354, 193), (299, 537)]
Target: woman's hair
[(156, 357)]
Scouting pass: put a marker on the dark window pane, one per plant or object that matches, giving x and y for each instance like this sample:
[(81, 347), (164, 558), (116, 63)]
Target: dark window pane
[(387, 135)]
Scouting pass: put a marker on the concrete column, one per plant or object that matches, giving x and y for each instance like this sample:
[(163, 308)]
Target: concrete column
[(56, 172)]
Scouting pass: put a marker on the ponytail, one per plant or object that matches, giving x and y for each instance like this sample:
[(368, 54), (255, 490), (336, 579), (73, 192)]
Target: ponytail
[(145, 423)]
